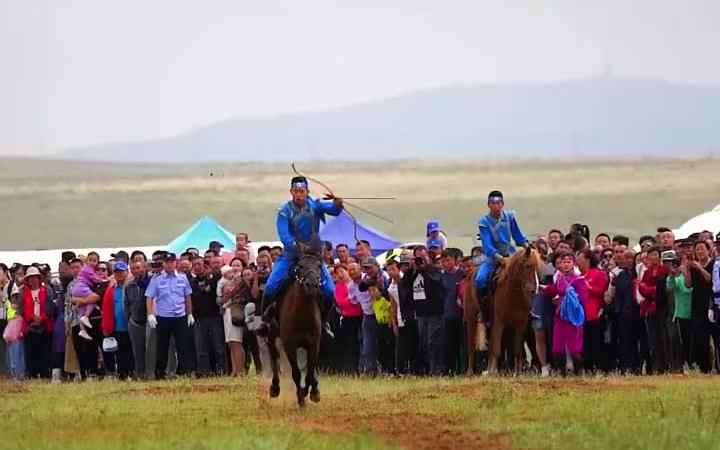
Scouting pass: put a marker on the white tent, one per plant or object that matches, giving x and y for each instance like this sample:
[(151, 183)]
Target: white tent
[(709, 221)]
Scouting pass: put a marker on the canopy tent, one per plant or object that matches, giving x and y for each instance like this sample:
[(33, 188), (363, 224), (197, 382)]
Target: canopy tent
[(204, 231), (708, 221), (340, 230)]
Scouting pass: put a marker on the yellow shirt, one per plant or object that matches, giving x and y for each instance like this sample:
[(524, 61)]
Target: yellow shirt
[(381, 308)]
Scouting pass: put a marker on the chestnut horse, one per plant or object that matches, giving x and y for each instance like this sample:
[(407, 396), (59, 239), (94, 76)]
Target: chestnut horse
[(300, 327), (515, 286), (471, 308)]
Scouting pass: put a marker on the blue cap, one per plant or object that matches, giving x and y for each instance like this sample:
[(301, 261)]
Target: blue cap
[(433, 242), (433, 225), (120, 266)]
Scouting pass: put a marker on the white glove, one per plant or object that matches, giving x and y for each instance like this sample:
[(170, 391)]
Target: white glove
[(152, 321), (191, 320), (711, 315)]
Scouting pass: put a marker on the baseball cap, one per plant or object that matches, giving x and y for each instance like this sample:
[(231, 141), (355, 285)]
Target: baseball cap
[(434, 242), (122, 254), (669, 255), (433, 225), (120, 266), (215, 244), (368, 262)]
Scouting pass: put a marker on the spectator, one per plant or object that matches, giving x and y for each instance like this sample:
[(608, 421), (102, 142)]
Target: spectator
[(542, 316), (628, 312), (350, 322), (603, 240), (554, 237), (136, 309), (343, 254), (13, 331), (403, 319), (565, 334), (208, 330), (647, 242), (362, 250), (103, 271), (185, 267), (115, 323), (371, 269), (236, 265), (169, 306), (244, 256), (594, 328), (422, 285), (275, 252), (39, 317), (251, 347), (434, 234), (327, 254), (701, 267), (359, 295), (234, 294), (478, 255), (683, 304), (197, 265), (453, 329), (216, 247), (242, 241), (385, 337), (652, 311)]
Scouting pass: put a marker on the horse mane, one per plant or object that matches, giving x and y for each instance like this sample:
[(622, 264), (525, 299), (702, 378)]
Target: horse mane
[(515, 266)]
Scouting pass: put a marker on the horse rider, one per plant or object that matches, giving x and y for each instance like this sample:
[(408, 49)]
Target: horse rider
[(298, 222), (497, 230)]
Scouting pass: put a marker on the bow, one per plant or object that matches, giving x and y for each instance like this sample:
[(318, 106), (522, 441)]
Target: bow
[(332, 195)]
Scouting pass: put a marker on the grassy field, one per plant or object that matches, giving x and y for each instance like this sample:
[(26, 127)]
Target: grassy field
[(53, 204), (502, 413)]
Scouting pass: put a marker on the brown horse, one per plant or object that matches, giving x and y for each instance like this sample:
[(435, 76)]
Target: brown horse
[(516, 284), (300, 327)]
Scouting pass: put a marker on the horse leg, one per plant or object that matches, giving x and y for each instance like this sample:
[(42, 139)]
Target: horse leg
[(519, 346), (495, 345), (275, 363), (311, 380), (471, 330), (291, 353)]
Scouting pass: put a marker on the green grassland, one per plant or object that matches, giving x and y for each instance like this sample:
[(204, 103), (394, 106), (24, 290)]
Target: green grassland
[(588, 413), (53, 204)]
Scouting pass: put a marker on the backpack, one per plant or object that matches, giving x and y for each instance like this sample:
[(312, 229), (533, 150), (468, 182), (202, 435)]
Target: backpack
[(571, 309)]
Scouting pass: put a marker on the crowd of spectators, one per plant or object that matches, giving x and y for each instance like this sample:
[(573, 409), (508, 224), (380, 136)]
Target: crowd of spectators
[(650, 311)]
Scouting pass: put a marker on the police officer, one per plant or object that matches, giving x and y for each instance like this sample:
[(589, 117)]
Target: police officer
[(497, 230), (169, 307), (298, 223)]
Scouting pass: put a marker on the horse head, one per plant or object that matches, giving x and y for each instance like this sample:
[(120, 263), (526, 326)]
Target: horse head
[(308, 271), (522, 272)]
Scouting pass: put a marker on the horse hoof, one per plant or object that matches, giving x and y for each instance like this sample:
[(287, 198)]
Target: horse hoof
[(315, 397), (274, 391), (301, 403)]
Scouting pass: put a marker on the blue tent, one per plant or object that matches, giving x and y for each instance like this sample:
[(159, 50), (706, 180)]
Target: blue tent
[(340, 230), (200, 235)]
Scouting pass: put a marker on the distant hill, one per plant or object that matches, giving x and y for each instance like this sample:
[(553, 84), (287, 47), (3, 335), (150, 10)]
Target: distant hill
[(585, 118)]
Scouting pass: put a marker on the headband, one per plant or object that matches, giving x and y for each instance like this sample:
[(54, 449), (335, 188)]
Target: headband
[(495, 199), (299, 184)]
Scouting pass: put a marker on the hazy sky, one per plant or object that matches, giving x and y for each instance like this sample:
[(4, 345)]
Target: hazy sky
[(85, 72)]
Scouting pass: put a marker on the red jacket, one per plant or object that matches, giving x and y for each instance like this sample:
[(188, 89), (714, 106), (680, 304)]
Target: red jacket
[(28, 309), (108, 318), (648, 289), (597, 285)]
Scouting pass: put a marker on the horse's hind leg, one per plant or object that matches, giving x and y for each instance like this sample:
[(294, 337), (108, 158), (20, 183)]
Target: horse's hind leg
[(275, 363), (291, 353), (495, 346)]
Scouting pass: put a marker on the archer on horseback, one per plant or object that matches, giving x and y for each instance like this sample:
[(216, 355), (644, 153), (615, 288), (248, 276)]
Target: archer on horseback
[(298, 222), (497, 230)]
